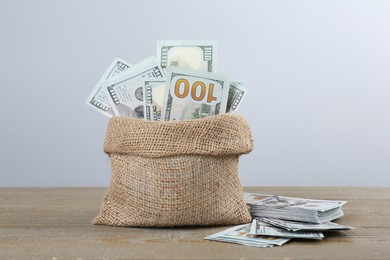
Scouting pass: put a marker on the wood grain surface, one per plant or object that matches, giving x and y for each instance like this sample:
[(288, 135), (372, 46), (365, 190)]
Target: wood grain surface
[(55, 223)]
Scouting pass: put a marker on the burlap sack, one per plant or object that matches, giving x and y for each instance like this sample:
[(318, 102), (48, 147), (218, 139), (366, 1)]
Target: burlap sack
[(175, 173)]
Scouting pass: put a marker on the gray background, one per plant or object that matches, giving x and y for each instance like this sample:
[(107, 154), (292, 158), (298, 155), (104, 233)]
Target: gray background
[(318, 74)]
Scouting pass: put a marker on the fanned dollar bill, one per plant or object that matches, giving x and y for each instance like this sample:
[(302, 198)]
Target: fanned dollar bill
[(259, 228), (193, 91), (195, 55), (237, 92), (98, 99), (240, 235), (126, 90), (194, 94), (154, 90)]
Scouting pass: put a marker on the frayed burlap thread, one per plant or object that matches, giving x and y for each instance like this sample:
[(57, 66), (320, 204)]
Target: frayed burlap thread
[(182, 173)]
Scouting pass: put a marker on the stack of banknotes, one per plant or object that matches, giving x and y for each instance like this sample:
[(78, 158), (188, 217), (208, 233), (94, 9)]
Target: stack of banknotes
[(298, 209), (179, 83), (277, 219)]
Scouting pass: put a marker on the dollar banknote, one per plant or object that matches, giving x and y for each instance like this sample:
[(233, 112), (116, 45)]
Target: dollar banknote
[(126, 90), (240, 235), (297, 225), (154, 89), (194, 94), (98, 98), (259, 228), (195, 55), (237, 92)]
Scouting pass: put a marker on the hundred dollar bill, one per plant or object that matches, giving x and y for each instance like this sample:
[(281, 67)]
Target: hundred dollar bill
[(194, 94), (195, 55), (263, 229), (296, 225), (240, 235), (154, 90), (126, 90), (98, 99), (237, 92)]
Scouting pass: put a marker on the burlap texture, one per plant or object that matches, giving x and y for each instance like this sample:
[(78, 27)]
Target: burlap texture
[(179, 173)]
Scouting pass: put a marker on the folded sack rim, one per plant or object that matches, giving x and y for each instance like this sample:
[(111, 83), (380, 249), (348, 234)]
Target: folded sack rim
[(224, 134)]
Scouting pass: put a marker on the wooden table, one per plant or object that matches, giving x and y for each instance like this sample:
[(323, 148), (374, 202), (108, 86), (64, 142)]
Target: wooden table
[(51, 223)]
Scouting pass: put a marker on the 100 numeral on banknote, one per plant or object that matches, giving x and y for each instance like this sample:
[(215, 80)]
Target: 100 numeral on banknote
[(194, 94), (198, 90)]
